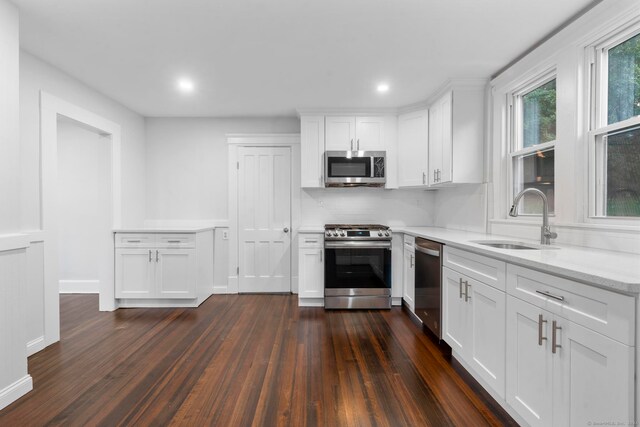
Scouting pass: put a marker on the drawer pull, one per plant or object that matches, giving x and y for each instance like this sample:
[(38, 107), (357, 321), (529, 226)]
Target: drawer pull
[(174, 241), (554, 338), (550, 295), (466, 291), (540, 322), (157, 256), (149, 255), (133, 241), (461, 288), (310, 241)]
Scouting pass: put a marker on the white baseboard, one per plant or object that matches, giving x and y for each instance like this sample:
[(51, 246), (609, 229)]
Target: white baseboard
[(310, 302), (79, 286), (396, 301), (35, 345), (15, 391)]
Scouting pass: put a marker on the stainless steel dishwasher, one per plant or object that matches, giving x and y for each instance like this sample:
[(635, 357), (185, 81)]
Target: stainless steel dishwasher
[(428, 285)]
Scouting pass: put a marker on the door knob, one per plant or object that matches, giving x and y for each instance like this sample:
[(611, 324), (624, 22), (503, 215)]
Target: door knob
[(286, 230)]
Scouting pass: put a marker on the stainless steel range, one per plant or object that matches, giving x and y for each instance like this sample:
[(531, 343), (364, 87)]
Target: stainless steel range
[(357, 270)]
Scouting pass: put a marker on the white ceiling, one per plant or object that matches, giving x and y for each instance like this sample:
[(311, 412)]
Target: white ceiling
[(261, 57)]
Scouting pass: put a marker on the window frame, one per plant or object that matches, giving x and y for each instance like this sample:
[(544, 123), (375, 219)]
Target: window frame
[(515, 131), (598, 127)]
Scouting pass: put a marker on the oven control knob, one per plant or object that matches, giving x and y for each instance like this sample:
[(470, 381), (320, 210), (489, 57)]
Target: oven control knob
[(386, 233), (328, 234), (380, 233), (342, 234), (335, 233)]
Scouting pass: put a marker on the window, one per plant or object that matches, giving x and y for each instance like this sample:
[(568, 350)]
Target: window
[(533, 143), (615, 135)]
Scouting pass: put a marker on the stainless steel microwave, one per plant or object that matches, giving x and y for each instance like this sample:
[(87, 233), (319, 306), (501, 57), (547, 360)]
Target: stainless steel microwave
[(354, 168)]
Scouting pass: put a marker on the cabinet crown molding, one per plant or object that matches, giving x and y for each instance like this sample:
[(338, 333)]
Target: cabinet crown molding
[(359, 112)]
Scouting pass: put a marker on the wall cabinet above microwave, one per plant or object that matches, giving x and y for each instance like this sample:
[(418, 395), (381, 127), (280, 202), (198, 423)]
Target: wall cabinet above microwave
[(321, 133)]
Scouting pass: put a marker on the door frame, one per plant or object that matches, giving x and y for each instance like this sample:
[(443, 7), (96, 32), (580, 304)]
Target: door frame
[(235, 141), (50, 108)]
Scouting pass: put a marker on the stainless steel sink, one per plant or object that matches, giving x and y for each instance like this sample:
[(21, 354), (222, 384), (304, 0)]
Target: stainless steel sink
[(512, 244)]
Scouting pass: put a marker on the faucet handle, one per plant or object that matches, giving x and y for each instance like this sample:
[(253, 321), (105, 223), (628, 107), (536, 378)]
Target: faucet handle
[(550, 234)]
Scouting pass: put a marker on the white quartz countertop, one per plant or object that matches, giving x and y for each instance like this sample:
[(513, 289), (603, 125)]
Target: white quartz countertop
[(180, 229), (607, 269), (311, 229)]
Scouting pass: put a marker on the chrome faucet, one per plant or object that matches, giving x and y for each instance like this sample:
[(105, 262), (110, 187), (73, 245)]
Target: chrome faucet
[(545, 234)]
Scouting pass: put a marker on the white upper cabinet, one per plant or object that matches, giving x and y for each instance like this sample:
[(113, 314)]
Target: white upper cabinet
[(456, 135), (413, 143), (311, 151), (340, 133), (370, 134)]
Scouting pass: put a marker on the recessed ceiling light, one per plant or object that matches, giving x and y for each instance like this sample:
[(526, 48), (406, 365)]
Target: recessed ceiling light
[(185, 85), (383, 87)]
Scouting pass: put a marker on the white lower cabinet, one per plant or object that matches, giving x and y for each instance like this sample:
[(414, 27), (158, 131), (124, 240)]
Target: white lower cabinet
[(135, 273), (474, 327), (560, 373), (409, 273), (155, 273), (311, 269), (176, 273), (152, 269)]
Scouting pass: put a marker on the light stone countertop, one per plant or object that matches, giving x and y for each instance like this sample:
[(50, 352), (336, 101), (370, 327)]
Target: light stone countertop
[(618, 271), (181, 229)]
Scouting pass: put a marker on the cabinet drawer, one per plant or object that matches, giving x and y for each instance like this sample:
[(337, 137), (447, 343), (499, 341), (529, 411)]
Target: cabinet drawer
[(175, 240), (311, 241), (606, 312), (484, 269), (409, 240), (135, 240)]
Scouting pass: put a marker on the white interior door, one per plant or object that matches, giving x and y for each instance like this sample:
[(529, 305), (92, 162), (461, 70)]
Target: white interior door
[(264, 219)]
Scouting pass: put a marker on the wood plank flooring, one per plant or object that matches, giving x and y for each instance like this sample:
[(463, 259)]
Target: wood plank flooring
[(246, 360)]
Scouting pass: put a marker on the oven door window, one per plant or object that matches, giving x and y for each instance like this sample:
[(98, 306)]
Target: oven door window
[(355, 167), (358, 268)]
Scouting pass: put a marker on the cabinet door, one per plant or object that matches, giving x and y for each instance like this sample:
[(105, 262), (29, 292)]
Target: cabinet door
[(446, 140), (312, 151), (413, 146), (454, 312), (409, 278), (135, 273), (340, 133), (370, 134), (486, 324), (435, 142), (176, 273), (311, 272), (529, 363), (593, 378)]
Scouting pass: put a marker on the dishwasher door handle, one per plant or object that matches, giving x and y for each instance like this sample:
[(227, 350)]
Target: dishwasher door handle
[(426, 251)]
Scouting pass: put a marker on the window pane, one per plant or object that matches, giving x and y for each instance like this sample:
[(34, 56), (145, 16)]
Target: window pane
[(623, 173), (624, 80), (539, 115), (535, 170)]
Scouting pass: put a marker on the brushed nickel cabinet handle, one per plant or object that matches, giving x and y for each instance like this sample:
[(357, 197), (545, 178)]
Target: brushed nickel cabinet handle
[(174, 241), (411, 263), (466, 291), (150, 255), (352, 145), (554, 338), (320, 255), (550, 295), (434, 175), (157, 256), (540, 322), (424, 178), (461, 288), (133, 241), (358, 144)]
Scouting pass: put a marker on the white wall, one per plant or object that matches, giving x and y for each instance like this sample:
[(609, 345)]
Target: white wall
[(187, 175), (462, 208), (84, 206), (36, 75), (366, 205), (14, 379)]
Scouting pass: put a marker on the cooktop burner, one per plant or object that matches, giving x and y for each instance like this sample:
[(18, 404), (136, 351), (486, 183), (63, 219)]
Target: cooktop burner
[(357, 232)]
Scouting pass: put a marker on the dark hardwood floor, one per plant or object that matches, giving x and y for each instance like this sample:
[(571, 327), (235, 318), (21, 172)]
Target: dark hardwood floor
[(241, 360)]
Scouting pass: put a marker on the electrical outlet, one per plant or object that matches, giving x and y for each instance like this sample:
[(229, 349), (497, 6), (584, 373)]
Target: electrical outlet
[(225, 234)]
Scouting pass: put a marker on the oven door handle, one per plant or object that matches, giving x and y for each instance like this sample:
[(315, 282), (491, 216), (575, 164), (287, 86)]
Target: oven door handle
[(357, 244), (426, 251)]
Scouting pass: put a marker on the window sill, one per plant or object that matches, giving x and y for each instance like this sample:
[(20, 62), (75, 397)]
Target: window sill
[(626, 228)]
